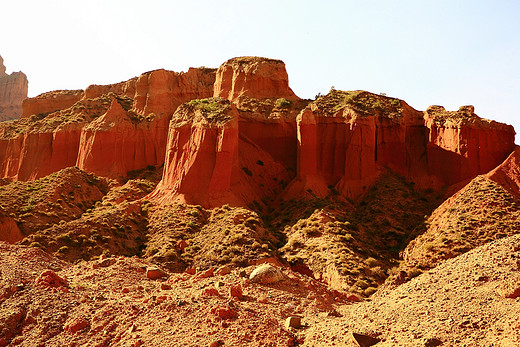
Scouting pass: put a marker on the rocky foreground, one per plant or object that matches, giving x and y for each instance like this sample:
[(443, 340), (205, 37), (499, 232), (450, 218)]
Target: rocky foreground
[(215, 207)]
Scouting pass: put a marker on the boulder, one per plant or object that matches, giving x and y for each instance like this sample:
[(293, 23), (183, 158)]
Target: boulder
[(75, 324), (223, 312), (154, 273), (293, 322), (266, 274)]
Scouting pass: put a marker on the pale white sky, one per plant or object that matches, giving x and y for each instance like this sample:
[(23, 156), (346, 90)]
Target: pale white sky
[(445, 52)]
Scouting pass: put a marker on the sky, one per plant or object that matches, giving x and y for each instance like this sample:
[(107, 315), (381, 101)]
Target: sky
[(442, 52)]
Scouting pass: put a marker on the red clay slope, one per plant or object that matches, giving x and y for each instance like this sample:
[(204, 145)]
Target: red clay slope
[(507, 174)]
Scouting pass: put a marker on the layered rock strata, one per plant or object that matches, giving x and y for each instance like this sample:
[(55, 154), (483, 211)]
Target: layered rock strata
[(240, 135), (107, 130)]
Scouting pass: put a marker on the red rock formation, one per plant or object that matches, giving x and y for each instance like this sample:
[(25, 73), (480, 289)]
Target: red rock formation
[(126, 88), (462, 145), (13, 90), (56, 150), (254, 77), (50, 102), (34, 147), (9, 229), (114, 144), (346, 139), (209, 162), (245, 150), (47, 139), (507, 174)]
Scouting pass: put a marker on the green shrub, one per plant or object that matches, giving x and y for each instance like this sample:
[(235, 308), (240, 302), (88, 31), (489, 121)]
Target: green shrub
[(283, 103)]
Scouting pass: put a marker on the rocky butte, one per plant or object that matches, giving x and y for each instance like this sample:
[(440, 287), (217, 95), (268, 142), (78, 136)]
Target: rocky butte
[(13, 90)]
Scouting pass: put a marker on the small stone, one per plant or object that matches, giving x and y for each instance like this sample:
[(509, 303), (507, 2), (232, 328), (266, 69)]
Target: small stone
[(75, 325), (181, 244), (49, 278), (206, 274), (236, 292), (223, 312), (353, 298), (165, 286), (432, 342), (293, 322), (217, 343), (263, 299), (191, 271), (223, 270), (363, 340), (334, 313), (154, 273), (219, 284), (106, 262), (210, 292), (510, 289), (125, 290), (266, 274)]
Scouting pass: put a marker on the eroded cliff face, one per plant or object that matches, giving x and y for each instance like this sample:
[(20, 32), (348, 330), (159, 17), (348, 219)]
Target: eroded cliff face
[(87, 129), (50, 102), (13, 90), (239, 135), (132, 139), (210, 159), (462, 145), (346, 139)]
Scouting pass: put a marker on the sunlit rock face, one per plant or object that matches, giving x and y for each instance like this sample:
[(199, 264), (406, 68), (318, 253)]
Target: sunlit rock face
[(239, 135), (13, 90)]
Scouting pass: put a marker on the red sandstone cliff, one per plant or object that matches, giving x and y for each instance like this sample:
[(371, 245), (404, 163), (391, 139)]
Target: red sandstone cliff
[(210, 160), (254, 77), (251, 140), (49, 102), (347, 138), (66, 128), (13, 90), (123, 140)]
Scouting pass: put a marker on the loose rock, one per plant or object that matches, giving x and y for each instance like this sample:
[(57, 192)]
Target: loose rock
[(75, 325), (266, 274), (223, 312), (154, 273), (236, 292), (293, 322), (363, 340)]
